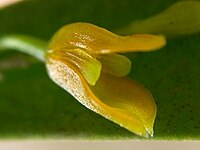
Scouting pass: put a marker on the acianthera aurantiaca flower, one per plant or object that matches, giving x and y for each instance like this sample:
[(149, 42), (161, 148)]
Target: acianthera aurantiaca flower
[(82, 58)]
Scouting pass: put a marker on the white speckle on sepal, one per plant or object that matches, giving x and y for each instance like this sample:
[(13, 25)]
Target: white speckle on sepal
[(70, 81)]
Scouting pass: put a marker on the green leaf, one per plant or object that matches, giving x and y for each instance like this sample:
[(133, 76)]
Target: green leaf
[(31, 105), (182, 18)]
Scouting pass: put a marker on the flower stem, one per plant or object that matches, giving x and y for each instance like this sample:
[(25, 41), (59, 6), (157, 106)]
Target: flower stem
[(26, 44)]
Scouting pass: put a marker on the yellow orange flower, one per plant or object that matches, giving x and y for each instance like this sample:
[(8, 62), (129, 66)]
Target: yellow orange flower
[(82, 58)]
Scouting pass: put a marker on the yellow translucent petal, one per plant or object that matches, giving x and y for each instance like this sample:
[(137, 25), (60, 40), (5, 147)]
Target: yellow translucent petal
[(89, 67), (136, 42), (98, 40), (120, 100), (115, 64), (129, 96)]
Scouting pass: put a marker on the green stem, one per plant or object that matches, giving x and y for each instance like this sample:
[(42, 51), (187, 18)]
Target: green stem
[(26, 44)]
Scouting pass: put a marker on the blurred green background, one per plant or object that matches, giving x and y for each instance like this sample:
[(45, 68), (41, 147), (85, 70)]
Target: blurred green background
[(32, 106)]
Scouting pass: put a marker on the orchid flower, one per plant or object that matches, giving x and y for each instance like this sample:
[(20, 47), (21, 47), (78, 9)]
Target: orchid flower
[(83, 59)]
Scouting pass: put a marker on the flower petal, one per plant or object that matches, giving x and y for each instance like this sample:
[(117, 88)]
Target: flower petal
[(98, 40), (134, 43), (120, 100), (130, 97), (87, 65), (115, 64)]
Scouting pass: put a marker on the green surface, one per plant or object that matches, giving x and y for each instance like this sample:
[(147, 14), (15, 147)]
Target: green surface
[(180, 19), (31, 105)]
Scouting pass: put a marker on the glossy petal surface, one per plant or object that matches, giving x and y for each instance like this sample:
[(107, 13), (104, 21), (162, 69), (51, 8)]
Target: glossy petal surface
[(133, 105), (98, 40), (115, 64)]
